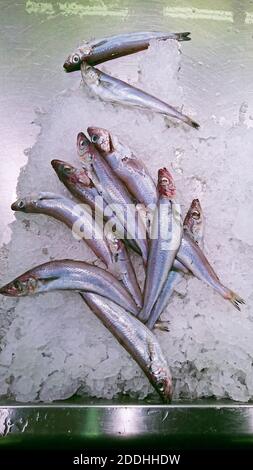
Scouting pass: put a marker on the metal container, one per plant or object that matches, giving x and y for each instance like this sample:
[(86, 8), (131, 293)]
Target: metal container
[(32, 67)]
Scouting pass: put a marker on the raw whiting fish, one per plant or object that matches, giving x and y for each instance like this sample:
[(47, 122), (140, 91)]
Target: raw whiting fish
[(75, 216), (194, 259), (100, 50), (194, 226), (70, 275), (113, 191), (137, 339), (131, 171), (166, 233), (108, 88)]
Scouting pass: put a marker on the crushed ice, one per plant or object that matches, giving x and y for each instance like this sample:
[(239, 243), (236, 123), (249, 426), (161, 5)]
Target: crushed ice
[(52, 346)]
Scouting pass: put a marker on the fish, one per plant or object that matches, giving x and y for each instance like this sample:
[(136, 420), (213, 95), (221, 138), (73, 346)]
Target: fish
[(191, 255), (114, 192), (137, 339), (75, 216), (101, 50), (166, 233), (129, 169), (193, 225), (111, 89), (124, 269), (70, 275)]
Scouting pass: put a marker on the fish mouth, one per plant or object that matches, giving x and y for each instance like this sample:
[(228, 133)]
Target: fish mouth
[(14, 207), (19, 205), (10, 291), (68, 67), (57, 165), (61, 168), (82, 143)]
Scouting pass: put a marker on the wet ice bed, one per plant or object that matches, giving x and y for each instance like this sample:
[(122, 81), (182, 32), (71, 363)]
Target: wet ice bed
[(52, 345)]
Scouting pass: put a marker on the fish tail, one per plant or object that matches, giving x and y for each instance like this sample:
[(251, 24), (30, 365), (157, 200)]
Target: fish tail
[(191, 122), (183, 36), (162, 325), (235, 299)]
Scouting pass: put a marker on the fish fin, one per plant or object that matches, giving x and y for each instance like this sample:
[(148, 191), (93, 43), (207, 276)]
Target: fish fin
[(162, 325), (101, 43), (183, 36), (192, 123), (235, 300)]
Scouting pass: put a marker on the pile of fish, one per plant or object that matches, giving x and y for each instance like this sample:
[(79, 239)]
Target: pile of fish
[(122, 212)]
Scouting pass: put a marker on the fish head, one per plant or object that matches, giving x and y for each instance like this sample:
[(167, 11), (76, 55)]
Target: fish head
[(37, 280), (166, 186), (31, 203), (71, 175), (162, 381), (115, 244), (74, 60), (101, 138), (84, 148), (35, 202), (194, 220), (23, 204), (20, 287)]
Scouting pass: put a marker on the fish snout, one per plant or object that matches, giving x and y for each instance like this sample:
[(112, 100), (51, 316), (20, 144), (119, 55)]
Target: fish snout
[(57, 165), (9, 290), (18, 205)]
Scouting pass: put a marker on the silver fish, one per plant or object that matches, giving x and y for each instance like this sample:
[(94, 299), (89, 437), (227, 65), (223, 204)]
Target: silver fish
[(114, 90), (194, 259), (100, 50), (113, 191), (163, 246), (123, 268), (194, 226), (138, 341), (132, 172), (70, 275), (76, 217)]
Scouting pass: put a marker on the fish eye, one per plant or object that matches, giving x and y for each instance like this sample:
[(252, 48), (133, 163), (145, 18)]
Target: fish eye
[(196, 215), (164, 180), (67, 170), (94, 138), (17, 284), (82, 144), (21, 204), (75, 58)]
